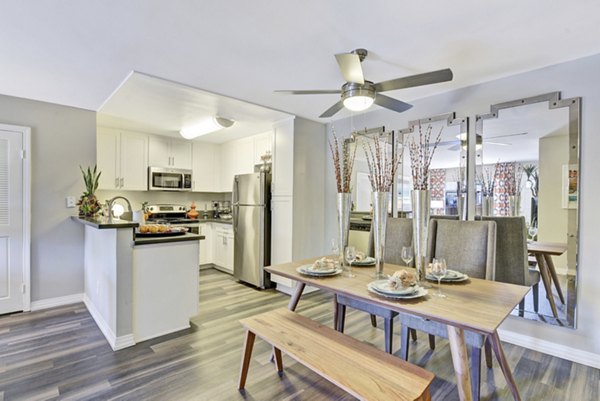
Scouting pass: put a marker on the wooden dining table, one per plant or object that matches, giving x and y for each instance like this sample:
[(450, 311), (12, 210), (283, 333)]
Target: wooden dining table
[(543, 252), (475, 305)]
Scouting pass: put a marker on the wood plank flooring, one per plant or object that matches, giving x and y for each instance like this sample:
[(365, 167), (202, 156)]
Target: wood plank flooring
[(60, 354)]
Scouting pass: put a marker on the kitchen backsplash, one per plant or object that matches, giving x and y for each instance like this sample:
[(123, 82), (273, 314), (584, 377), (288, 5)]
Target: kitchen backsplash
[(153, 197)]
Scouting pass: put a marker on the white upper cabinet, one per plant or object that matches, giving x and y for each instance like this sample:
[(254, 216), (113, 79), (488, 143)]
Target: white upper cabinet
[(122, 159), (169, 152), (206, 158), (228, 166), (283, 159), (263, 143)]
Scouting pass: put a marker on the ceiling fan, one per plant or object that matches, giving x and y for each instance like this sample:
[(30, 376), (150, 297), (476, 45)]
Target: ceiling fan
[(358, 94), (479, 141)]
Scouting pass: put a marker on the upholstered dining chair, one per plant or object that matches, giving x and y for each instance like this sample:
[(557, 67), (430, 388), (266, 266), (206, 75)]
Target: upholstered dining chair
[(469, 247), (398, 233), (512, 264)]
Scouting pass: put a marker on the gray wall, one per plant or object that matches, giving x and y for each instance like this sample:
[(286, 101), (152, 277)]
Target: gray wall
[(62, 139), (575, 78)]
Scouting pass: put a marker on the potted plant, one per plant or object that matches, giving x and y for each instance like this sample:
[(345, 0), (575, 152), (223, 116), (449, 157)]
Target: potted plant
[(88, 203)]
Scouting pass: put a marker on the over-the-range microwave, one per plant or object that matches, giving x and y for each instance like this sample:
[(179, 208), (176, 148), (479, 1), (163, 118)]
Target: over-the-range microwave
[(169, 179)]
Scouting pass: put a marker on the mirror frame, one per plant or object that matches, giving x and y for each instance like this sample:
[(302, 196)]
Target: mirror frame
[(451, 120), (574, 129)]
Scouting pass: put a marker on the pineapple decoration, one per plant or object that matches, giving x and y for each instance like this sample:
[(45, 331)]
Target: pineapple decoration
[(88, 204)]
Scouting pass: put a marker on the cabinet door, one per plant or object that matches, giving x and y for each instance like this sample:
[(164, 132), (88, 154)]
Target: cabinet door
[(262, 144), (244, 161), (181, 154), (107, 159), (204, 167), (134, 162), (205, 244), (229, 249), (283, 159), (228, 154), (159, 154)]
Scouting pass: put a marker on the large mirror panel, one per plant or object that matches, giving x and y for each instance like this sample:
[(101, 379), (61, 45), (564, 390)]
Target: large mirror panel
[(447, 174), (527, 164)]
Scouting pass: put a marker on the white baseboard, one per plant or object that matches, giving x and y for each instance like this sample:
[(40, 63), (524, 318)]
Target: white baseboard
[(154, 335), (560, 351), (116, 343), (58, 301)]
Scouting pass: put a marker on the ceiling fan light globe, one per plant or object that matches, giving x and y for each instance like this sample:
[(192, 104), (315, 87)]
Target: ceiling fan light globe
[(358, 103)]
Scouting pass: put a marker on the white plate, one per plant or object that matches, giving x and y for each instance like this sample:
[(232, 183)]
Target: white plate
[(451, 277), (421, 292), (318, 273), (382, 286), (368, 261)]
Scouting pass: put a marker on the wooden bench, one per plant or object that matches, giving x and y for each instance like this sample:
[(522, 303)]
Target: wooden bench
[(360, 369)]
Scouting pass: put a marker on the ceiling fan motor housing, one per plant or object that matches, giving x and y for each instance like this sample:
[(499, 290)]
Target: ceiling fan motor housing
[(351, 89)]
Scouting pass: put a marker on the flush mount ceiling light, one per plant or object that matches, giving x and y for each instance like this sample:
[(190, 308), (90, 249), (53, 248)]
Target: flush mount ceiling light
[(207, 126)]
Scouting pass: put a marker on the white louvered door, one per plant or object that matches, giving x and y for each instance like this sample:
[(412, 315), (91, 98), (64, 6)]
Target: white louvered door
[(11, 222)]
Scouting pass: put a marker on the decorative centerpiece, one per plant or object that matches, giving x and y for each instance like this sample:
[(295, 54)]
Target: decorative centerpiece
[(531, 171), (343, 162), (486, 179), (382, 172), (421, 154), (88, 203)]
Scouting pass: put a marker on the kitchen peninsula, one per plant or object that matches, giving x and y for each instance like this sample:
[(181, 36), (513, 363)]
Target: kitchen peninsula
[(138, 288)]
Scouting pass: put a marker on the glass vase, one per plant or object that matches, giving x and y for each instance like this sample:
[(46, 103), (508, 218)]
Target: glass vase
[(486, 205), (514, 205), (380, 202), (420, 219), (344, 206)]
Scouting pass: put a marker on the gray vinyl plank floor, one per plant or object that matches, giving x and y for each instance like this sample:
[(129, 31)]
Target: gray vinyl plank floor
[(60, 354)]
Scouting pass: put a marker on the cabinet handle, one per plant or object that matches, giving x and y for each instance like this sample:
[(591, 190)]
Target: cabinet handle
[(122, 182), (117, 182)]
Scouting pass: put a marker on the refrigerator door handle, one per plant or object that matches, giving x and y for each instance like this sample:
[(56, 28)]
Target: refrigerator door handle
[(236, 203)]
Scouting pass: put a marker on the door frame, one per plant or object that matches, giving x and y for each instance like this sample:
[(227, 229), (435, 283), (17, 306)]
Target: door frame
[(26, 185)]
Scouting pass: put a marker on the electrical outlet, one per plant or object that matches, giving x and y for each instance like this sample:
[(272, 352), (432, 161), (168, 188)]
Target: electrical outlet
[(70, 201)]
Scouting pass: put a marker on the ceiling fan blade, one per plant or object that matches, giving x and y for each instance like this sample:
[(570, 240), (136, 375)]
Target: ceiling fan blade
[(427, 78), (392, 104), (455, 147), (332, 110), (310, 92), (506, 136), (446, 143), (496, 143), (350, 67)]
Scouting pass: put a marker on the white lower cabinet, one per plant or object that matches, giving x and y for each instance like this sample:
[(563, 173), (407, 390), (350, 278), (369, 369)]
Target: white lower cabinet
[(223, 247), (206, 245)]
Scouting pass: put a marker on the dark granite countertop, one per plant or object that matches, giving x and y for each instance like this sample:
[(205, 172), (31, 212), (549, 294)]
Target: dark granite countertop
[(165, 240), (104, 222)]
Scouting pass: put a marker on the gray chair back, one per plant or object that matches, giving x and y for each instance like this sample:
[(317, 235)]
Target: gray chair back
[(511, 250), (467, 246), (398, 233)]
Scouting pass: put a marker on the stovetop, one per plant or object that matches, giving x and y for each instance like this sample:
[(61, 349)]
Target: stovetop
[(171, 220)]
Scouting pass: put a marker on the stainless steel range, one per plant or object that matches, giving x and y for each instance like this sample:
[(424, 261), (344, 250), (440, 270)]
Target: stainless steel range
[(173, 214)]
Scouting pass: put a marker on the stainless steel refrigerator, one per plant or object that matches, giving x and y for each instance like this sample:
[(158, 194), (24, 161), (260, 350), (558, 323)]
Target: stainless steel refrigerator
[(251, 200)]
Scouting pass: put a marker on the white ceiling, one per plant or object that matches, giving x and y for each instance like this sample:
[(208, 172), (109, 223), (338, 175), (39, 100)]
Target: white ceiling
[(78, 52)]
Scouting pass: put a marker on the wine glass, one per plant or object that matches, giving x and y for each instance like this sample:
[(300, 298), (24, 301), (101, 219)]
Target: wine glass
[(532, 231), (439, 270), (407, 255), (350, 257), (335, 250)]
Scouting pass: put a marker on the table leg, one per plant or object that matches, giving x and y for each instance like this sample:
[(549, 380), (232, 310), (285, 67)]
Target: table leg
[(460, 360), (550, 264), (296, 296), (547, 282), (497, 346)]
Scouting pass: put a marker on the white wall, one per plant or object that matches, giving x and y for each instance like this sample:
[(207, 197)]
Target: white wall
[(62, 139), (575, 78), (552, 218)]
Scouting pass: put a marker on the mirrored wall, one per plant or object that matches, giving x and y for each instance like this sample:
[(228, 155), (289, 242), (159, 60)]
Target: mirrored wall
[(527, 164), (447, 171)]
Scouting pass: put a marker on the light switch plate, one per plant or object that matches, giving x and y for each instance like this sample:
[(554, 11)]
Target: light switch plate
[(70, 200)]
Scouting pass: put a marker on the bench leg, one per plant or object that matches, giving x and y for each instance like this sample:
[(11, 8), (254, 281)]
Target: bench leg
[(373, 320), (413, 334), (431, 341), (246, 356), (278, 361)]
